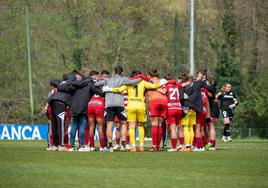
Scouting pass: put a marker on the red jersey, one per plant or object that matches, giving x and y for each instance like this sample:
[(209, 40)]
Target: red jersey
[(173, 95), (204, 94), (97, 102)]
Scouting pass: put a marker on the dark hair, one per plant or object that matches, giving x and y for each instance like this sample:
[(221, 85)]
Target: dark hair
[(134, 73), (93, 73), (105, 72), (169, 76), (183, 77), (204, 72), (118, 70), (77, 72), (153, 73), (69, 76)]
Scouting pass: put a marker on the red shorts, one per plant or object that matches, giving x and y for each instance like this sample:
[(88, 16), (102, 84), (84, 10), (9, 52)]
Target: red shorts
[(95, 112), (174, 116), (201, 118), (116, 120), (158, 110)]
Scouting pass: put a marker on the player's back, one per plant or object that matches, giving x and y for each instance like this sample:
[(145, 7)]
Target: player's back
[(136, 95), (173, 95)]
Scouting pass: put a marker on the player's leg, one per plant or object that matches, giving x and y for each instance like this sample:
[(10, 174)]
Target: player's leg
[(117, 134), (188, 121), (212, 134), (181, 137), (162, 111), (109, 117), (198, 135), (83, 120), (54, 127), (100, 122), (165, 133), (226, 123), (154, 130), (66, 126), (141, 116), (91, 132), (123, 135), (132, 128), (153, 109), (171, 124), (174, 137), (122, 116), (141, 135), (60, 118), (73, 130), (186, 132), (132, 120)]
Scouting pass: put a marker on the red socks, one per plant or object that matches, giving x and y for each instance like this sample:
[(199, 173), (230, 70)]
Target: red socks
[(174, 143), (205, 140), (117, 141), (213, 142), (91, 142), (102, 145), (194, 142), (156, 136), (181, 140), (127, 140), (199, 142)]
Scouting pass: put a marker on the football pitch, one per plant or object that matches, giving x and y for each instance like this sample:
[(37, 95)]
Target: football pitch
[(242, 163)]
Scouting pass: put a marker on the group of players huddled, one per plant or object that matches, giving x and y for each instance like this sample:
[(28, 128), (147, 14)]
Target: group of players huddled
[(188, 106)]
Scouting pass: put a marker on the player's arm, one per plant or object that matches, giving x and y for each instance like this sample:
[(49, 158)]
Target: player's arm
[(66, 87), (218, 96), (45, 108), (235, 102), (127, 81), (185, 84), (148, 85), (81, 83), (101, 83), (119, 89)]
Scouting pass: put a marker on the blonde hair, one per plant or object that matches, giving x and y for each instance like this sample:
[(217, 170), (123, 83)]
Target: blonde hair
[(85, 71)]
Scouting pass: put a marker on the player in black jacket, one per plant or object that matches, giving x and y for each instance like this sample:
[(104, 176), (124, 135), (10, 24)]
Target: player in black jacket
[(79, 111), (228, 101), (58, 102)]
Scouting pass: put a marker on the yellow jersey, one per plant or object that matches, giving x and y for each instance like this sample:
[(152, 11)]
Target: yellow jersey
[(136, 98)]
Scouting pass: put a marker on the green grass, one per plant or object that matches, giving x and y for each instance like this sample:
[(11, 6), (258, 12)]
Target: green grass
[(242, 163)]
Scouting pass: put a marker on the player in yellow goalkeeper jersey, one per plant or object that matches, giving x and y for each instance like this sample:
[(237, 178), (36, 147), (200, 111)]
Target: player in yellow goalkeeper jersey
[(136, 110)]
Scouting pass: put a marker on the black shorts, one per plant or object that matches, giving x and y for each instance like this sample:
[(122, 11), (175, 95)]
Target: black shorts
[(227, 113), (111, 112)]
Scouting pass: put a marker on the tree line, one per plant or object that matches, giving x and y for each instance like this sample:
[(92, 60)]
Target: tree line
[(230, 41)]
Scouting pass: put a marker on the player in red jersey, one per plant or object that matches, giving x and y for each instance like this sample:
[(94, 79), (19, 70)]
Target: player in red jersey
[(174, 108), (200, 139), (96, 114), (158, 110)]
